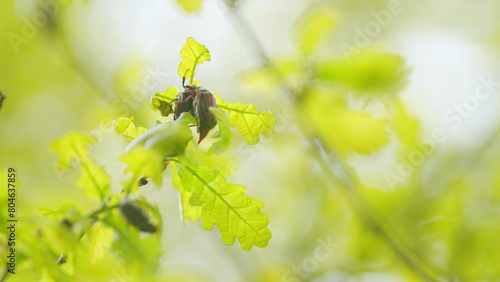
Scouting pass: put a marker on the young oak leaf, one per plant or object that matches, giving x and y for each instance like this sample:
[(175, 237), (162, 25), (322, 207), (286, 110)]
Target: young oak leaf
[(141, 254), (169, 138), (225, 205), (146, 154), (162, 101), (249, 122), (169, 94), (73, 145), (190, 5), (315, 28), (344, 129), (187, 210), (223, 134), (404, 125), (101, 239), (366, 72), (127, 128), (142, 163), (94, 181), (192, 54)]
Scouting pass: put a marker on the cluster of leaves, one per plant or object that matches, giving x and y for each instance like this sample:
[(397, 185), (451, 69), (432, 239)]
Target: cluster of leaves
[(419, 224), (337, 94), (116, 229)]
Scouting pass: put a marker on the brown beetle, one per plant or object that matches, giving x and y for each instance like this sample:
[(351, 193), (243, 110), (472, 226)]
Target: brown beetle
[(184, 100), (197, 101), (205, 119)]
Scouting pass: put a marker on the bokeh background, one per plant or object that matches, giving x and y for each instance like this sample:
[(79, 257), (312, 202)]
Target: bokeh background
[(78, 65)]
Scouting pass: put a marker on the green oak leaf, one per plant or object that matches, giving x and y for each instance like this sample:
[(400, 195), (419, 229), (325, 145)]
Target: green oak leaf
[(94, 181), (169, 94), (249, 122), (345, 129), (315, 27), (192, 54), (223, 134), (126, 127), (188, 211), (142, 163), (140, 253), (162, 101), (190, 5), (366, 72), (169, 138), (225, 205), (73, 146), (101, 239)]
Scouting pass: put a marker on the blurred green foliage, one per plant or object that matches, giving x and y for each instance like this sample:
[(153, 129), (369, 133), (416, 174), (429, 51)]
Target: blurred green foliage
[(441, 222)]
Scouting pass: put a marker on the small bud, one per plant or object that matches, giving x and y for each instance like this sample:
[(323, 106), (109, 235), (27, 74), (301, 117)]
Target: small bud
[(136, 217), (143, 181)]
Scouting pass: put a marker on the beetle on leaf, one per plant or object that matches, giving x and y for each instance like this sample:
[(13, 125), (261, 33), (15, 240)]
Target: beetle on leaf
[(196, 101)]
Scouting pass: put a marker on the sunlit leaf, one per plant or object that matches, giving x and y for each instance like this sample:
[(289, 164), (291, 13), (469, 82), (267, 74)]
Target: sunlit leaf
[(223, 133), (169, 94), (128, 75), (168, 139), (266, 80), (94, 180), (164, 107), (162, 101), (101, 239), (344, 129), (367, 72), (187, 210), (192, 54), (225, 205), (249, 122), (315, 28), (72, 146), (141, 255), (122, 123), (127, 128), (64, 210), (190, 5), (60, 238), (142, 163), (404, 125)]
